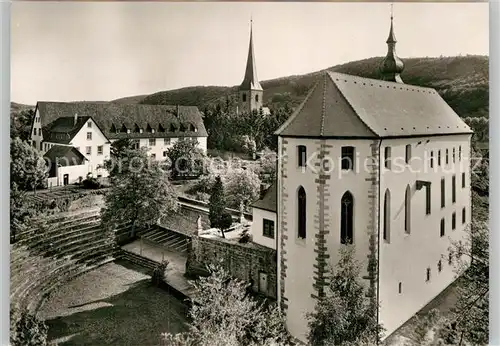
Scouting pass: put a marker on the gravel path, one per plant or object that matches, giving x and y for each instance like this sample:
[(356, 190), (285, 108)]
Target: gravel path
[(112, 305)]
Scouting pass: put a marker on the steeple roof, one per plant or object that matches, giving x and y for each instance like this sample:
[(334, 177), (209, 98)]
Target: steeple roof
[(392, 66), (250, 81)]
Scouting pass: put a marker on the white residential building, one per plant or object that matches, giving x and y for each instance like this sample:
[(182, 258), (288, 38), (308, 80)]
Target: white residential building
[(92, 127)]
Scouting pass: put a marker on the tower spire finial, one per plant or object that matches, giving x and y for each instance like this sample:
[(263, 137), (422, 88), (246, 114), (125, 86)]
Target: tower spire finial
[(392, 66)]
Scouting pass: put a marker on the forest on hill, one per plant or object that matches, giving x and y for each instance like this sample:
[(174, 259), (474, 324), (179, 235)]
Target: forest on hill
[(462, 81)]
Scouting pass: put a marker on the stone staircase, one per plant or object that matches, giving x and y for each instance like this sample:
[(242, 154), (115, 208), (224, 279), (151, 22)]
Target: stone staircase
[(137, 259), (173, 241)]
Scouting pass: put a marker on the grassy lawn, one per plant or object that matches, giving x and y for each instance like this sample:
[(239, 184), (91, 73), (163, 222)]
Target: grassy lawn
[(112, 305)]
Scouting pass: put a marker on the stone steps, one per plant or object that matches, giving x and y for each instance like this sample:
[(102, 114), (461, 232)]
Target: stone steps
[(139, 260)]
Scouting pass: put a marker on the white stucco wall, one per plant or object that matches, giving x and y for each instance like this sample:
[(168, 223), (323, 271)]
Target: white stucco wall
[(81, 142), (161, 146), (406, 258), (257, 229), (36, 133), (300, 254), (74, 172)]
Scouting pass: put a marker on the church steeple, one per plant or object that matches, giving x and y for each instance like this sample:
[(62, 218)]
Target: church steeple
[(250, 92), (392, 66), (250, 81)]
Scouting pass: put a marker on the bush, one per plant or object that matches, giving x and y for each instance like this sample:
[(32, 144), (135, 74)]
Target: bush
[(28, 330), (91, 183), (159, 275)]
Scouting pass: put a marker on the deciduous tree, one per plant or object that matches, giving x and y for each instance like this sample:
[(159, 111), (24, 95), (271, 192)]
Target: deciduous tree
[(242, 187), (186, 158), (27, 166), (141, 194), (224, 314), (344, 315)]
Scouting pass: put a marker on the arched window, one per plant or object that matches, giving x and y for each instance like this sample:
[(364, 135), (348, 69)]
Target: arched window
[(387, 216), (346, 218), (301, 222), (407, 209)]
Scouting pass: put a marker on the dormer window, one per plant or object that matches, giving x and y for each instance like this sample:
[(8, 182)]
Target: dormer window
[(192, 128), (113, 128), (149, 129), (136, 129), (128, 130), (152, 130), (173, 128), (141, 130), (182, 128), (124, 129), (161, 128)]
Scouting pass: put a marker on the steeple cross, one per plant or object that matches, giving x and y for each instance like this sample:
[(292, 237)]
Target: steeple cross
[(392, 11)]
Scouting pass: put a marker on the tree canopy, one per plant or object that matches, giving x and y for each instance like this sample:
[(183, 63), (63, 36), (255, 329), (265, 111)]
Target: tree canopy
[(27, 165), (140, 194)]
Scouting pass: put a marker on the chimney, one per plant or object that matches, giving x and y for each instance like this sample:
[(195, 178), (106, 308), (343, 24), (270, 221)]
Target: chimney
[(76, 118)]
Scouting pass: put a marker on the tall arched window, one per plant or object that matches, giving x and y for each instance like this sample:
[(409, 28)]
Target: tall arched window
[(407, 209), (346, 218), (301, 213), (387, 216)]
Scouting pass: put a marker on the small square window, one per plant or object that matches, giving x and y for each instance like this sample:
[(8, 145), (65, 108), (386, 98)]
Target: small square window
[(88, 150), (89, 135), (347, 158), (152, 142), (153, 156), (166, 141), (99, 150), (89, 124), (268, 228)]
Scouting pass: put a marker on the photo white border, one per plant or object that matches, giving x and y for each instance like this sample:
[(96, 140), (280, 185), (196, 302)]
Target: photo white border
[(494, 116), (4, 172), (494, 196)]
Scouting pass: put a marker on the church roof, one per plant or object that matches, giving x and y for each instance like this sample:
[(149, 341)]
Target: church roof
[(115, 119), (250, 81), (346, 106), (268, 201)]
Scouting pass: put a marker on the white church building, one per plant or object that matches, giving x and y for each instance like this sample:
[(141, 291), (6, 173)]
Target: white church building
[(376, 163)]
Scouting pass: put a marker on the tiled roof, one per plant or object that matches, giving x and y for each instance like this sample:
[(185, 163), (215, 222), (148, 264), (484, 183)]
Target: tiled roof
[(342, 105), (63, 155), (63, 129), (268, 202), (111, 118)]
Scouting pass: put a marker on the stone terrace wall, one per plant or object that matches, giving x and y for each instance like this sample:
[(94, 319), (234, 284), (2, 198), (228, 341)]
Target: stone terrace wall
[(243, 261)]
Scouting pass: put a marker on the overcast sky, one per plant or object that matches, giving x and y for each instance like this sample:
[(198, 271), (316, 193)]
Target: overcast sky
[(102, 51)]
